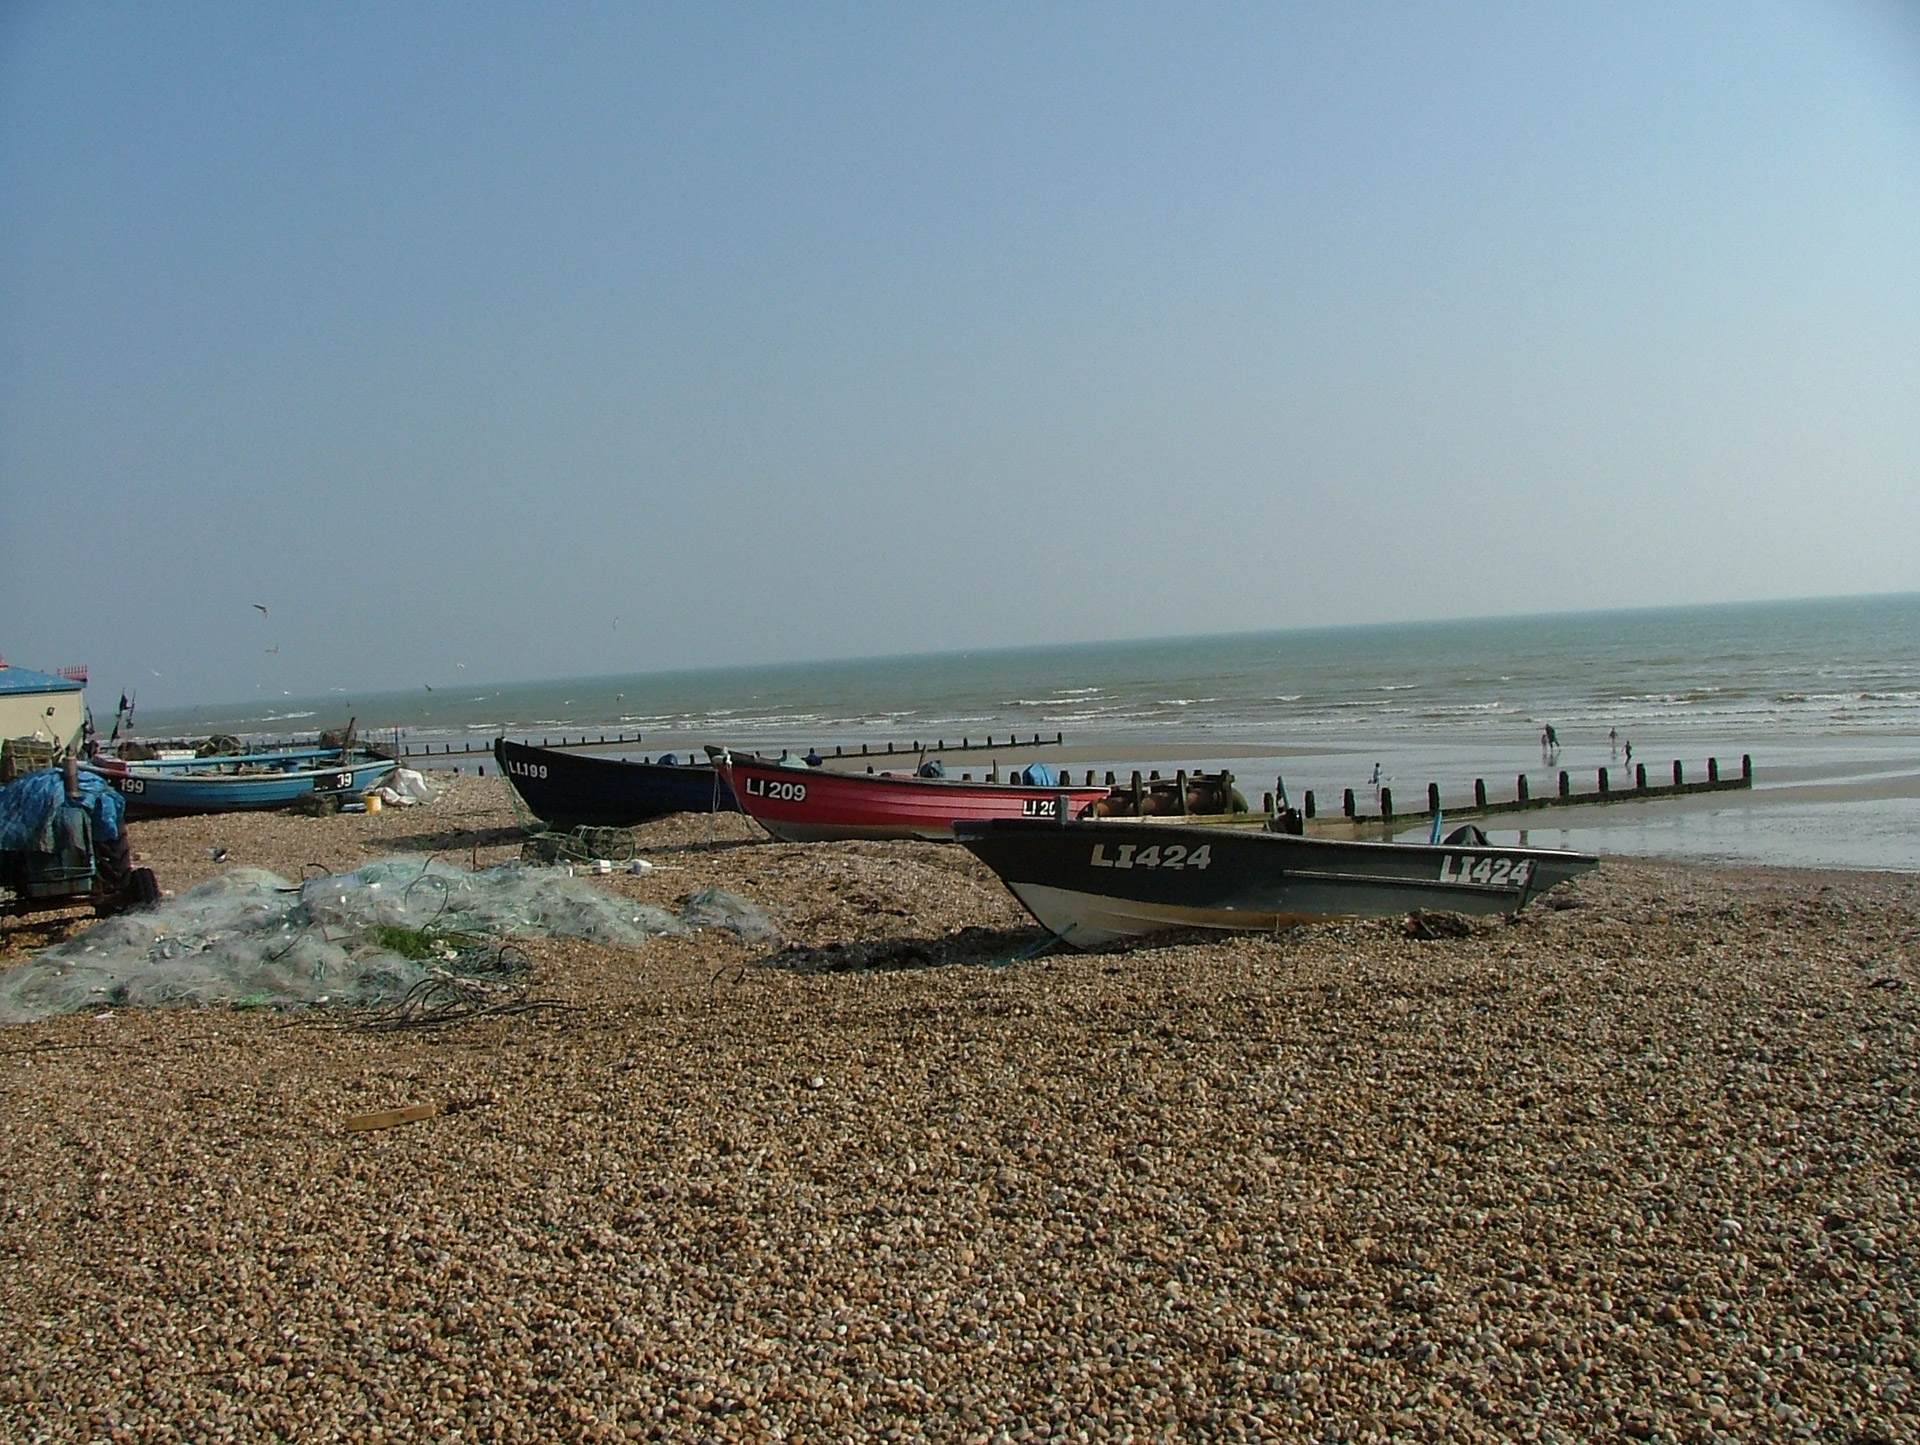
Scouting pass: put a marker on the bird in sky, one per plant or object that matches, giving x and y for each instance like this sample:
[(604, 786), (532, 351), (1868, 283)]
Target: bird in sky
[(428, 686), (261, 608), (274, 648)]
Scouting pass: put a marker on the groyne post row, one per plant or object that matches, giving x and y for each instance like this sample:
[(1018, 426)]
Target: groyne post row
[(1523, 801), (621, 740)]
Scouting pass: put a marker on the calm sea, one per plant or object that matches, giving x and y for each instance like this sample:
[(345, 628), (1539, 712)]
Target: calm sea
[(1823, 694)]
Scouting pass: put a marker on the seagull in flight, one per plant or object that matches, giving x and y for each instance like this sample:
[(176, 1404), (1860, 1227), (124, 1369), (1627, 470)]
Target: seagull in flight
[(261, 608)]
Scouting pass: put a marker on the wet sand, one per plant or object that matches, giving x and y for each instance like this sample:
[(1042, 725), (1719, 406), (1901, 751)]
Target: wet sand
[(1641, 1162)]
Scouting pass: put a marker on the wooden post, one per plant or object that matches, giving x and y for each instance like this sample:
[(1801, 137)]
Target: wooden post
[(1266, 804), (1676, 773), (1479, 792), (1713, 770), (1746, 767), (1348, 802), (863, 750), (1566, 784), (1180, 782), (1110, 778), (1433, 797), (1386, 805), (1308, 801), (1058, 736), (1603, 780), (1520, 789)]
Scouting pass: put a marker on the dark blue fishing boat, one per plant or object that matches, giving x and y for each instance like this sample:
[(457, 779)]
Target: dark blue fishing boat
[(570, 790), (243, 782)]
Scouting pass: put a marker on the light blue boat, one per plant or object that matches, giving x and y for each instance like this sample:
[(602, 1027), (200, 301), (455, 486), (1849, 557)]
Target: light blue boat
[(245, 782)]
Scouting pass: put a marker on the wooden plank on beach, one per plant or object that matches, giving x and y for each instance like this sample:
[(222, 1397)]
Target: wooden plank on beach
[(390, 1118)]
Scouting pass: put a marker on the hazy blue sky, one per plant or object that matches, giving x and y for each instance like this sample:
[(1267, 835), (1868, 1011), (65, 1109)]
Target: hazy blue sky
[(456, 333)]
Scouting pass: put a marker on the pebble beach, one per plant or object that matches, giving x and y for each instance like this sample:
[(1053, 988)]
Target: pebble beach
[(1640, 1163)]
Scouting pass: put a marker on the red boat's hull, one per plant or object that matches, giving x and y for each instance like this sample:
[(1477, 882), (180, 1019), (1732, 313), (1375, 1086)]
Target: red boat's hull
[(814, 805)]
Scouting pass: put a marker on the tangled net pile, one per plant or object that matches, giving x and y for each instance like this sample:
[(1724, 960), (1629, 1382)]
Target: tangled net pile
[(386, 934)]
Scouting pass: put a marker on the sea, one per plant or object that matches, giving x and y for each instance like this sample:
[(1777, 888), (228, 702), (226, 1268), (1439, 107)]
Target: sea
[(1822, 695)]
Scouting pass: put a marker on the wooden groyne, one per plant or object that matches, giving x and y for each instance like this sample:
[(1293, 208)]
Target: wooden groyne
[(622, 740), (1637, 789)]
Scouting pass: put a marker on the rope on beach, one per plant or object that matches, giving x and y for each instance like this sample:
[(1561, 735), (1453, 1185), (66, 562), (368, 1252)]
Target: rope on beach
[(441, 1002), (1030, 952), (581, 845)]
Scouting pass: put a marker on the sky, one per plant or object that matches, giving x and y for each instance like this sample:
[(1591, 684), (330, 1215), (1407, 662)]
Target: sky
[(578, 339)]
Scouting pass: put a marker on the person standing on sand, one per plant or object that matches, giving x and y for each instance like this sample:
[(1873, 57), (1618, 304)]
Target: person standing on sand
[(1613, 741), (1629, 751)]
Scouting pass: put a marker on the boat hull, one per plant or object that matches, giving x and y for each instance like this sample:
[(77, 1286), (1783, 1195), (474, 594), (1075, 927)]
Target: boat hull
[(255, 782), (1095, 883), (567, 790), (815, 805)]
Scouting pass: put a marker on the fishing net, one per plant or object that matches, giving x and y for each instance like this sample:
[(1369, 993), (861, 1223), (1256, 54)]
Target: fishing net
[(511, 899), (365, 939), (716, 908)]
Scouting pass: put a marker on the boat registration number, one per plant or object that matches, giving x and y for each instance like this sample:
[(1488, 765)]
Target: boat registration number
[(1494, 872), (528, 770), (777, 790), (1037, 807), (1131, 855), (133, 785), (333, 782)]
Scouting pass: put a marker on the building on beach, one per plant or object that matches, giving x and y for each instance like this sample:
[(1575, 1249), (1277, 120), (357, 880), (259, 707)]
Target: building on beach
[(48, 707)]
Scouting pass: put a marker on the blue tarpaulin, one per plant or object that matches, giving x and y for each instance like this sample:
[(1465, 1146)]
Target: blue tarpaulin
[(1036, 775), (27, 806)]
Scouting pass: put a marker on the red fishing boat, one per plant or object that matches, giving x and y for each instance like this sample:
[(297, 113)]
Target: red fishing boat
[(799, 804)]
